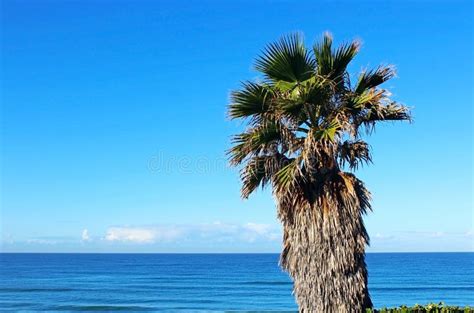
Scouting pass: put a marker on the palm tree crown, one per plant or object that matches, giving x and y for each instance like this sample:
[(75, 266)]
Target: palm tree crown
[(305, 117)]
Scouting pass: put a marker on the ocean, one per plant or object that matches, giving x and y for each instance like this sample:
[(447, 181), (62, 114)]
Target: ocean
[(212, 282)]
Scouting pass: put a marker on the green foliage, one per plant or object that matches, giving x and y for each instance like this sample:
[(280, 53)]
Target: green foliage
[(429, 308), (287, 60), (304, 116)]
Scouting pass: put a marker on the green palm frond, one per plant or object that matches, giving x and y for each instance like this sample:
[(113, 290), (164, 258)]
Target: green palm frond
[(303, 107), (252, 99), (291, 109), (287, 175), (253, 142), (343, 56), (253, 175), (380, 113), (259, 171), (316, 90), (323, 54), (287, 60), (327, 133), (268, 137), (365, 99), (374, 78), (333, 64)]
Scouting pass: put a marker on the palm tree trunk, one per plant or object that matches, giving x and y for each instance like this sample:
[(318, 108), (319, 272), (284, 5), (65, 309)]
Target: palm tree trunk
[(324, 253)]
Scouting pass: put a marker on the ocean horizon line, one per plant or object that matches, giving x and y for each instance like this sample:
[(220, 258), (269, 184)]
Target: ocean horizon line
[(230, 253)]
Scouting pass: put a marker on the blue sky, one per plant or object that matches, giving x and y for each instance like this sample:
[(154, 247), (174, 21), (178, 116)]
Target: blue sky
[(114, 122)]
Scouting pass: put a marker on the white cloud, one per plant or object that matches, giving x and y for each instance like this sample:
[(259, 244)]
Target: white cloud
[(214, 232), (142, 234), (254, 231), (85, 235), (139, 235), (260, 229), (225, 237)]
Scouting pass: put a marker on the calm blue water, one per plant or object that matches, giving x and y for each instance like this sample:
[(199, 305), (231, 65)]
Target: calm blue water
[(211, 282)]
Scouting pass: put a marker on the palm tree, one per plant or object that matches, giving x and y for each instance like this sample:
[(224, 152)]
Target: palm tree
[(306, 122)]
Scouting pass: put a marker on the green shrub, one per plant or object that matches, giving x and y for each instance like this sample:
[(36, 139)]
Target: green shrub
[(429, 308)]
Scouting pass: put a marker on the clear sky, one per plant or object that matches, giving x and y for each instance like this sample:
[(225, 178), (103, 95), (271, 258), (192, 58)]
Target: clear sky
[(113, 122)]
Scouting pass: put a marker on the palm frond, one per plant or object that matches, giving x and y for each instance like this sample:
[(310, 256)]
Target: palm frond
[(301, 105), (344, 55), (287, 60), (252, 99), (253, 142), (333, 64), (365, 99), (390, 112), (259, 171), (323, 54), (270, 137), (381, 113), (327, 133), (253, 175), (354, 153), (374, 78), (364, 198), (287, 176)]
